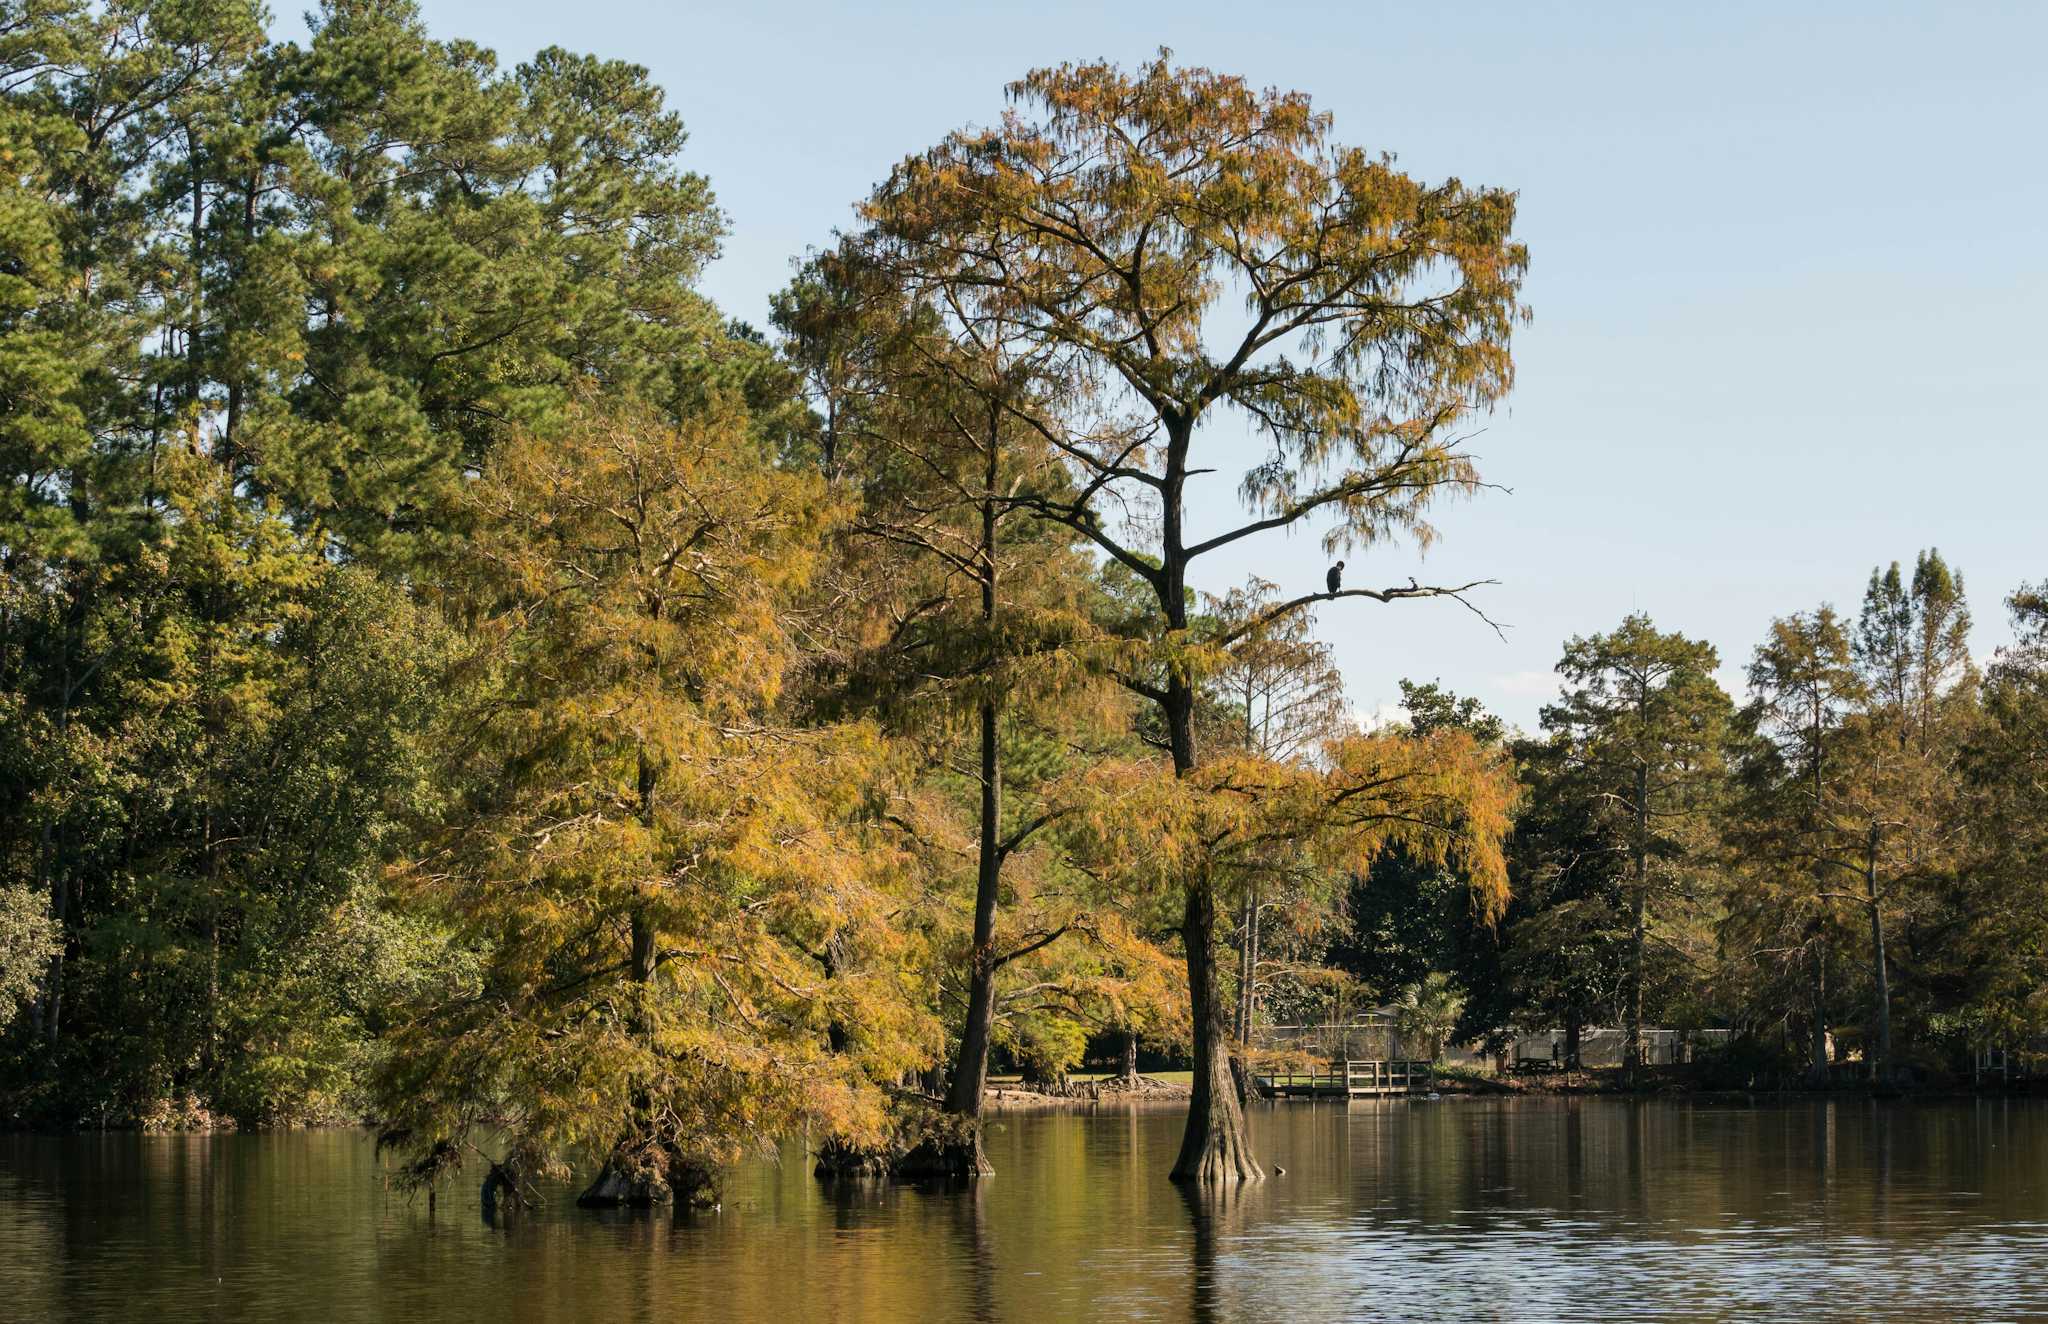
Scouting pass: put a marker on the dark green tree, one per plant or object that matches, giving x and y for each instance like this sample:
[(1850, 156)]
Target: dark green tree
[(1783, 823), (1640, 732), (1997, 949), (1903, 806)]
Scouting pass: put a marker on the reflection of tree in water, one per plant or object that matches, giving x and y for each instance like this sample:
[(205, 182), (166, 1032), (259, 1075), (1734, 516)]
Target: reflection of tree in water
[(1637, 1169), (1215, 1213), (977, 1250), (1574, 1152), (1881, 1196), (848, 1196)]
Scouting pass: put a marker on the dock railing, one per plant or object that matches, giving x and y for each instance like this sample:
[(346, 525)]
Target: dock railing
[(1348, 1078), (1386, 1077)]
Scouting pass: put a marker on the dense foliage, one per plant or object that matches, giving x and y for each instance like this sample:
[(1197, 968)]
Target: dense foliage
[(1842, 873), (451, 676)]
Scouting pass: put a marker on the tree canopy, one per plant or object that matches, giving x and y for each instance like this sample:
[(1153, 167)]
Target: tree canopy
[(451, 675)]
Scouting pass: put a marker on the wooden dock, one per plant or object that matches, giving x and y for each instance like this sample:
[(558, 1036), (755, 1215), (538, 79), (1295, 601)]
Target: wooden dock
[(1347, 1080)]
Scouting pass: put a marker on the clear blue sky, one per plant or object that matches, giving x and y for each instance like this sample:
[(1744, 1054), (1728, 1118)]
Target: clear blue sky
[(1788, 270)]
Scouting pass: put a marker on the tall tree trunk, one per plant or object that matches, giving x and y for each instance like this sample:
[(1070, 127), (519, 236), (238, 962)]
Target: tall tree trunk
[(1130, 1071), (957, 1151), (1817, 729), (1632, 1056), (49, 1006), (47, 1011), (1252, 970), (1248, 967), (1881, 1062), (1248, 914), (235, 371), (646, 1167), (216, 1064), (1818, 1070), (1214, 1148), (970, 1072)]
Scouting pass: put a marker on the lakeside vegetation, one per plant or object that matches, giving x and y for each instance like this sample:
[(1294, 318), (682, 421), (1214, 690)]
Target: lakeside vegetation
[(451, 673)]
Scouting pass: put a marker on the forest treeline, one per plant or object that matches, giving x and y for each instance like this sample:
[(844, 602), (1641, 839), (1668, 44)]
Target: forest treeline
[(452, 674)]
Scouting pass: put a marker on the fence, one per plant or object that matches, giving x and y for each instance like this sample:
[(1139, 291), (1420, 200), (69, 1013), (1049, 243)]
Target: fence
[(1370, 1037), (1599, 1046)]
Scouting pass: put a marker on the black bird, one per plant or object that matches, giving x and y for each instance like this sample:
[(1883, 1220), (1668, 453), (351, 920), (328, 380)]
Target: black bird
[(1335, 579)]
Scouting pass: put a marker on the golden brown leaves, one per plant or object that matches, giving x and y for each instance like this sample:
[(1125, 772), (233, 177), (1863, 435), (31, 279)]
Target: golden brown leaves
[(1441, 797), (678, 894)]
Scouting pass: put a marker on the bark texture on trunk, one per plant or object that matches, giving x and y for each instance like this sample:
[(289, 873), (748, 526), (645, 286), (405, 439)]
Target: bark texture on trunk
[(645, 1169), (948, 1148), (640, 1178), (955, 1150), (970, 1071), (1214, 1149)]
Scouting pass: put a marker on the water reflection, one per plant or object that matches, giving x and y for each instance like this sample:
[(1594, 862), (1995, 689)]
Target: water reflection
[(977, 1249), (1553, 1209), (1213, 1216)]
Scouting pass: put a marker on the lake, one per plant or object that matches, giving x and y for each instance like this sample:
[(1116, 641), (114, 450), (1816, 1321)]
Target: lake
[(1532, 1209)]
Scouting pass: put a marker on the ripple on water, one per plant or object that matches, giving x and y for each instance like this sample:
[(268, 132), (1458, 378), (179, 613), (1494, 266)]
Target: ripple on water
[(1485, 1209)]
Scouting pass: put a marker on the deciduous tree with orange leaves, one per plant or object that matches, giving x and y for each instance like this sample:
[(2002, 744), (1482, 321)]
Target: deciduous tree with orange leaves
[(1240, 291), (645, 853)]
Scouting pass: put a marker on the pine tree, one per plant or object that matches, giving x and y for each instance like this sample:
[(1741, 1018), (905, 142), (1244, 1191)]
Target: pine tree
[(1912, 649), (336, 275), (1785, 824), (1999, 906), (1641, 728)]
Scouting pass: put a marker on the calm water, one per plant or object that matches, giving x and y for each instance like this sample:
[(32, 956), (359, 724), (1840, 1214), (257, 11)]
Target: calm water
[(1522, 1209)]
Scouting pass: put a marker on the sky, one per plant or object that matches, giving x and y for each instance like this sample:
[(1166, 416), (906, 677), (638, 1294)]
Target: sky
[(1788, 271)]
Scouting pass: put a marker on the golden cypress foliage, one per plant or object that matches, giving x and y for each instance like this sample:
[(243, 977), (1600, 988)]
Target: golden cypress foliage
[(1443, 798), (649, 857)]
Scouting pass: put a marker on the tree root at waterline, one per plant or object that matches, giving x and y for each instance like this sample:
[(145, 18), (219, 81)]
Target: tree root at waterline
[(923, 1142)]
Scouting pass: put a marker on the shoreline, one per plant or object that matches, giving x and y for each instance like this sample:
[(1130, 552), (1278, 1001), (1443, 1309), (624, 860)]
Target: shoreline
[(1142, 1091), (1150, 1092)]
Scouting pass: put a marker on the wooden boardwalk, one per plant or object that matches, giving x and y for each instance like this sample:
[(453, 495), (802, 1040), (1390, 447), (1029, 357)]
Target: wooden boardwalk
[(1347, 1080)]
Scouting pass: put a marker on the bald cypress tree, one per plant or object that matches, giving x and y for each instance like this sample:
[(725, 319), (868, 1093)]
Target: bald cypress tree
[(642, 846), (1112, 220), (972, 620)]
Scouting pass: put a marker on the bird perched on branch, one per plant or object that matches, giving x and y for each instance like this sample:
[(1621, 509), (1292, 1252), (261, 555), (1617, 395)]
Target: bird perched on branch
[(1335, 579)]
